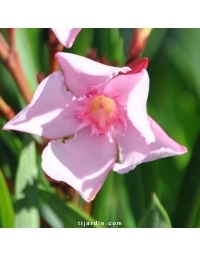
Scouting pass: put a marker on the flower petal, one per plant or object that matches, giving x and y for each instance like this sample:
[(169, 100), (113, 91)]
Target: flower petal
[(164, 146), (82, 74), (136, 108), (121, 86), (138, 151), (66, 36), (83, 162), (50, 113), (131, 90)]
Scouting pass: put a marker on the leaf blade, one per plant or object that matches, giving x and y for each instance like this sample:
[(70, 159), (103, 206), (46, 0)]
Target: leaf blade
[(27, 214), (61, 214), (6, 207), (156, 216)]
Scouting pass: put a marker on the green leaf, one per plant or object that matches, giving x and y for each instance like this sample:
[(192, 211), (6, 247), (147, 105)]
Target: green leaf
[(27, 215), (154, 42), (102, 205), (156, 217), (190, 193), (116, 45), (127, 34), (136, 191), (9, 138), (6, 207), (82, 43), (121, 204), (112, 203), (30, 42), (60, 214), (10, 147), (109, 41), (169, 92)]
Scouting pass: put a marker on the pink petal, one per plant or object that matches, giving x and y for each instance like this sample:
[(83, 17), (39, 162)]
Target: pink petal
[(50, 113), (163, 140), (83, 162), (121, 86), (136, 108), (134, 150), (82, 74), (66, 36), (131, 90)]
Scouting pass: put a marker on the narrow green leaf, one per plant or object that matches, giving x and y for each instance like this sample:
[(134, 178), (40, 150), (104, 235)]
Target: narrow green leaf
[(112, 203), (9, 91), (154, 42), (83, 42), (27, 215), (189, 193), (109, 42), (60, 214), (116, 45), (102, 205), (6, 207), (127, 34), (156, 217), (8, 166), (136, 192), (29, 49), (121, 203), (102, 42), (13, 142)]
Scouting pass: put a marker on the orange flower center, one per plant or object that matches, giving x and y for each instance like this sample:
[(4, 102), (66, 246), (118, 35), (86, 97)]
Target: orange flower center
[(103, 111)]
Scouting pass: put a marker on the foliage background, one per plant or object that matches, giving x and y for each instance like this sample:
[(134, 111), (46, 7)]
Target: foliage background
[(162, 193)]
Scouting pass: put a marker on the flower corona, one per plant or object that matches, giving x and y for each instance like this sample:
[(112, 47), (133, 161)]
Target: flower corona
[(103, 111)]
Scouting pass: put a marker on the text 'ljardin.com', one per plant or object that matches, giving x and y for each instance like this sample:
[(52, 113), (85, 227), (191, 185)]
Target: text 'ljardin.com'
[(99, 223)]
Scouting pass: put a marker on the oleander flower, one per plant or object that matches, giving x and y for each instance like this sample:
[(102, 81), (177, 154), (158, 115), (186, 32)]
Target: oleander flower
[(105, 108), (66, 36)]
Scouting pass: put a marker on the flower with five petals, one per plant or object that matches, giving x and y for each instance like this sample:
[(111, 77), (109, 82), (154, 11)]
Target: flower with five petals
[(105, 108)]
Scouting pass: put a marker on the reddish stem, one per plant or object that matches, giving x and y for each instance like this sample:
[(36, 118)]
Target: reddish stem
[(11, 35), (87, 207), (54, 46), (40, 77), (6, 110), (12, 63), (138, 43)]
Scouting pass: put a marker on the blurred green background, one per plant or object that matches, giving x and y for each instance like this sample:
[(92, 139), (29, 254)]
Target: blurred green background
[(163, 193)]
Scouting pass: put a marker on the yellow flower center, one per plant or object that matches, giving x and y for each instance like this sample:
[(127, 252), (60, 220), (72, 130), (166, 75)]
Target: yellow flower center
[(103, 111)]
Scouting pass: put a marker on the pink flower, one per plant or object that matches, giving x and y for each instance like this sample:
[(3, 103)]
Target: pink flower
[(66, 36), (107, 113)]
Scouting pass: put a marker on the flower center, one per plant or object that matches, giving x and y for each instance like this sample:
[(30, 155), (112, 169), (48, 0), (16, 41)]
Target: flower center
[(103, 111)]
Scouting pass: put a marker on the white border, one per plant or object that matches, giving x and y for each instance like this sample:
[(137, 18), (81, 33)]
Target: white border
[(87, 13), (99, 242)]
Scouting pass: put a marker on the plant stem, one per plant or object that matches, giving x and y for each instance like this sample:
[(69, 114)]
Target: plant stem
[(11, 60), (87, 207), (138, 44), (6, 109), (54, 46)]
